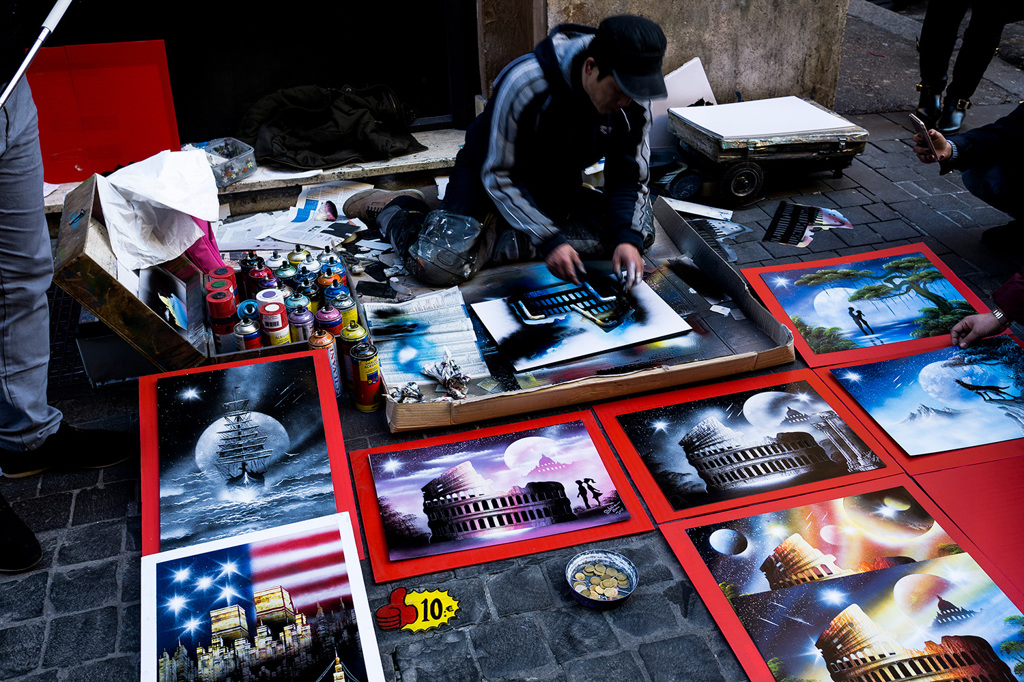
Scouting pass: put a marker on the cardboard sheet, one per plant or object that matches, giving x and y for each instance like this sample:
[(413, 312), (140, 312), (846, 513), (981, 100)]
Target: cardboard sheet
[(874, 564), (250, 591), (488, 494), (863, 306), (240, 447), (700, 450), (940, 408)]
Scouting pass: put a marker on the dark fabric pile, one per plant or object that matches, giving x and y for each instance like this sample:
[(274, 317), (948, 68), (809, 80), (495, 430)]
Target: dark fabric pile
[(312, 127)]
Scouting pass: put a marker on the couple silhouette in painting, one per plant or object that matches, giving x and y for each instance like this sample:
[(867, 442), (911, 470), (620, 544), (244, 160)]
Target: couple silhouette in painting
[(862, 323), (585, 485)]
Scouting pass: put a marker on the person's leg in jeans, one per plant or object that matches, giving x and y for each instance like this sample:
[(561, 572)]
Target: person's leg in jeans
[(26, 268)]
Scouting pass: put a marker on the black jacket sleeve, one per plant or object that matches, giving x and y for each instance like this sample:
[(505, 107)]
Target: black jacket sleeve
[(987, 145)]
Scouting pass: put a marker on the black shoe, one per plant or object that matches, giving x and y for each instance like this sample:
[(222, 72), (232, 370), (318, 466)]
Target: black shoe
[(72, 448), (952, 118), (19, 549), (930, 105), (1008, 238)]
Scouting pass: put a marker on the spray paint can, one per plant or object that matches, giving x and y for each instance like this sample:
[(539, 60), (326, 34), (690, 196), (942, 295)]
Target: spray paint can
[(296, 300), (226, 273), (274, 317), (320, 340), (253, 281), (298, 255), (269, 296), (338, 267), (327, 277), (213, 285), (286, 273), (247, 334), (276, 260), (326, 254), (310, 263), (329, 319), (250, 261), (221, 308), (347, 306), (313, 294), (353, 334), (300, 323), (366, 380)]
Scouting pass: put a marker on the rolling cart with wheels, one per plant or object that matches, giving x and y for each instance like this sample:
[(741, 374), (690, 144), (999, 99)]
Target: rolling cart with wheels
[(736, 144)]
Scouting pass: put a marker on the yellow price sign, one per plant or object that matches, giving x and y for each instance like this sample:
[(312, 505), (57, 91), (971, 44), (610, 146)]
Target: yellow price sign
[(416, 611)]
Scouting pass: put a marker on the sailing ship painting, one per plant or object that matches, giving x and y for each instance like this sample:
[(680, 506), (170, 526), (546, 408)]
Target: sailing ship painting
[(241, 453), (241, 448)]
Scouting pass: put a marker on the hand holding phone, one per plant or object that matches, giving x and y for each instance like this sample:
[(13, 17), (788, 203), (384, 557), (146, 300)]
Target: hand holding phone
[(922, 130)]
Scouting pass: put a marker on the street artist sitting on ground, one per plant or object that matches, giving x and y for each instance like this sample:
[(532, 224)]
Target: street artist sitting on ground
[(991, 174), (516, 191)]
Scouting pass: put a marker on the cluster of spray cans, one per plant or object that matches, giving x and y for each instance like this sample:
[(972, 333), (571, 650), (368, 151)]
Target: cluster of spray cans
[(280, 300)]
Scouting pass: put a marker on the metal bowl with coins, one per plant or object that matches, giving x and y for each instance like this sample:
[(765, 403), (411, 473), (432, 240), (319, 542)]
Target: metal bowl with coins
[(601, 579)]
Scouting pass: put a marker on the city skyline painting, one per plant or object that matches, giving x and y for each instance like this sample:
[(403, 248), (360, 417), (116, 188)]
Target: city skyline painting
[(542, 320), (238, 448), (489, 493), (850, 308), (946, 399), (754, 438), (287, 601), (873, 582)]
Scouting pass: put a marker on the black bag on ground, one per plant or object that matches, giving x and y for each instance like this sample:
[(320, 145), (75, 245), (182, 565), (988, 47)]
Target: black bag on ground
[(311, 127)]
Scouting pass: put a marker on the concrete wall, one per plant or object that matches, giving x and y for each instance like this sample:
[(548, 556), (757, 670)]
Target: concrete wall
[(759, 48)]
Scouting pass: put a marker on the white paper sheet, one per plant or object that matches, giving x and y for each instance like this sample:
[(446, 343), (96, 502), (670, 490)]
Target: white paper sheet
[(762, 118)]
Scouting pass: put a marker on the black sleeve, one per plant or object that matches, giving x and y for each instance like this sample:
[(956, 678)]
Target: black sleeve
[(987, 145)]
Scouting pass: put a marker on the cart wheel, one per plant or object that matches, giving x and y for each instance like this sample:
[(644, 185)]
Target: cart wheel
[(741, 181), (685, 185)]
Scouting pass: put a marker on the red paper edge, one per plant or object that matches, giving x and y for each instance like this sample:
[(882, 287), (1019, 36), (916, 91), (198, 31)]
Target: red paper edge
[(917, 464), (753, 276), (656, 501), (736, 635), (150, 465), (386, 570)]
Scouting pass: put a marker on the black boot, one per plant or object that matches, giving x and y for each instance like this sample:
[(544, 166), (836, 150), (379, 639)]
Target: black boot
[(952, 118), (930, 105), (19, 549)]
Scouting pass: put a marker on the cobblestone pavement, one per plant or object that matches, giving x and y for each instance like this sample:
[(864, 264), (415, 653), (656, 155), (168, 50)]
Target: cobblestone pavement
[(76, 617)]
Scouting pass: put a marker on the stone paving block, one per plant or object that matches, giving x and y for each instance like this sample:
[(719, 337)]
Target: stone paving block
[(19, 488), (133, 534), (120, 669), (554, 569), (892, 230), (960, 218), (986, 216), (881, 212), (848, 197), (937, 185), (881, 127), (125, 471), (486, 568), (131, 578), (749, 215), (50, 676), (79, 638), (911, 188), (80, 589), (21, 646), (878, 185), (615, 667), (945, 202), (859, 236), (682, 594), (680, 659), (843, 182), (62, 481), (778, 250), (90, 543), (45, 513), (897, 146), (900, 174), (857, 214), (823, 240), (644, 615), (22, 599), (512, 646), (817, 199), (112, 501), (570, 632), (751, 251), (519, 590)]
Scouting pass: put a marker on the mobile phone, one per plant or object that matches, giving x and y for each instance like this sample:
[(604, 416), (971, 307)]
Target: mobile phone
[(920, 127)]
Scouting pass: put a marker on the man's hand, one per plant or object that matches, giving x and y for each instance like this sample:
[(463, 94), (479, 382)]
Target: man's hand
[(942, 147), (563, 262), (627, 259), (974, 327)]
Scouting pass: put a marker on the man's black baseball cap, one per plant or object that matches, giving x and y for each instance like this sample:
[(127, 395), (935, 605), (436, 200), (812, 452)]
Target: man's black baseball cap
[(633, 48)]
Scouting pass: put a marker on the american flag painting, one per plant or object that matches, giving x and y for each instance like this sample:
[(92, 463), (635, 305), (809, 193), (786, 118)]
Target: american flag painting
[(284, 599)]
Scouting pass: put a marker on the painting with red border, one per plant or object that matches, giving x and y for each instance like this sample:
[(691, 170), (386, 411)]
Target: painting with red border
[(240, 447), (863, 582), (492, 493), (858, 307), (699, 450), (945, 407)]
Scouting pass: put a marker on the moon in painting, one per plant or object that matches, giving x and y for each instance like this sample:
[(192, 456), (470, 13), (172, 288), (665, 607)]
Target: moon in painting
[(728, 541), (889, 514), (767, 410), (206, 446), (918, 595), (524, 454), (940, 382)]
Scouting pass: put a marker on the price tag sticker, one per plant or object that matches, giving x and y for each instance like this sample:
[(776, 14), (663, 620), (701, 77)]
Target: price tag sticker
[(416, 611)]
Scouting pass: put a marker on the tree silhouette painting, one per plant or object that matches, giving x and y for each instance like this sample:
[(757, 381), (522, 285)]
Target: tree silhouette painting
[(874, 302)]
